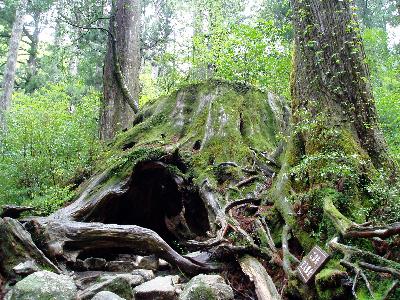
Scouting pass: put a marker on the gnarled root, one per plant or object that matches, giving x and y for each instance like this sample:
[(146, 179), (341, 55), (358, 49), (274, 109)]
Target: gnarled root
[(350, 229), (357, 260), (66, 239)]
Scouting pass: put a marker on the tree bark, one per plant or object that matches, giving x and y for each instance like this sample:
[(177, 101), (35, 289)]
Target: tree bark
[(34, 46), (336, 149), (11, 66), (330, 73), (121, 69)]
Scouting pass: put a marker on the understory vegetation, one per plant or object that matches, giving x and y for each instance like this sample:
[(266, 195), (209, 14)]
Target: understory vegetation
[(52, 143), (250, 132)]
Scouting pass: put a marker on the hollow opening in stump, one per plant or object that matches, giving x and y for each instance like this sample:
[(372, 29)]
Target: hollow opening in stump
[(159, 200)]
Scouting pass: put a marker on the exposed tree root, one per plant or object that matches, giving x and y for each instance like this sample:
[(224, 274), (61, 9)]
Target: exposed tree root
[(16, 246), (247, 181), (235, 203), (350, 229), (392, 288), (351, 252), (358, 272), (13, 211), (353, 259), (67, 240), (288, 258), (265, 287), (380, 269)]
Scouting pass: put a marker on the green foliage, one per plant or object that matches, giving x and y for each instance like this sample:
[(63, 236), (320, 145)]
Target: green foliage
[(254, 54), (384, 64), (51, 137)]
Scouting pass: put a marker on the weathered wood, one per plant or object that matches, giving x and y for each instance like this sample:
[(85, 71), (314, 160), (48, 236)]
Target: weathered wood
[(67, 239), (265, 287), (16, 246)]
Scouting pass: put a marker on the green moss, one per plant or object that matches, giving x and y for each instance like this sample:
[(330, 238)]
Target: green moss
[(202, 292), (329, 284)]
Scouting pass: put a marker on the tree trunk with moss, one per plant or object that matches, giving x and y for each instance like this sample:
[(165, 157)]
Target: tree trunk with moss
[(121, 69), (198, 172), (336, 156)]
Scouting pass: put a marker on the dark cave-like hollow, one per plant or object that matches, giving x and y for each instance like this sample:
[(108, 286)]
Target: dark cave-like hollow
[(159, 200)]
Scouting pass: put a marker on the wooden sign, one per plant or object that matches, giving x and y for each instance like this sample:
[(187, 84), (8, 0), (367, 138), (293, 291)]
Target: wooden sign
[(312, 263)]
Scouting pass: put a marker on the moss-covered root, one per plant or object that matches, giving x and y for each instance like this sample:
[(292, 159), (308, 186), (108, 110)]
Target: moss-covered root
[(341, 223), (349, 229), (329, 284)]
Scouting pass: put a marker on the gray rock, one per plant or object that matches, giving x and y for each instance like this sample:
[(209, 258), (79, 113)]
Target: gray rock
[(120, 284), (160, 288), (134, 280), (105, 295), (121, 266), (44, 285), (207, 287), (26, 268), (94, 264), (150, 262), (146, 274), (79, 265), (163, 265)]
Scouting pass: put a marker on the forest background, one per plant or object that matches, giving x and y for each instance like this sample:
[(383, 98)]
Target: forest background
[(52, 141)]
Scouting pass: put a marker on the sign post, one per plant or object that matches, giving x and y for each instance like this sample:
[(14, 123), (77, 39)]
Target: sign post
[(312, 263)]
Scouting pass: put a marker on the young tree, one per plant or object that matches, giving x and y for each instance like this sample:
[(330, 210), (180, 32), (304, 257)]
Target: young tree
[(11, 66), (121, 69)]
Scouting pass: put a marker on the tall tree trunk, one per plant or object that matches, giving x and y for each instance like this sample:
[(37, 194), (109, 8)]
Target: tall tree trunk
[(121, 69), (34, 45), (336, 149), (11, 66)]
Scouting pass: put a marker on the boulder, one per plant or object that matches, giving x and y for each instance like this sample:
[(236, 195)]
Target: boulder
[(150, 262), (160, 288), (105, 295), (146, 274), (120, 284), (121, 266), (44, 285), (94, 264), (26, 268), (207, 287)]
